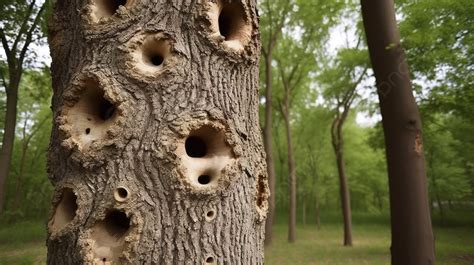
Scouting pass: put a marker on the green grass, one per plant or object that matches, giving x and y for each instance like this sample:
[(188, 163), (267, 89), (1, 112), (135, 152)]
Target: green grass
[(24, 243), (454, 246)]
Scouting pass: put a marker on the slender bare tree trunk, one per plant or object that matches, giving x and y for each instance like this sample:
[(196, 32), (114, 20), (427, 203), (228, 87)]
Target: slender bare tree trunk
[(291, 167), (15, 47), (412, 235), (338, 146), (268, 141), (318, 214), (303, 206), (156, 152), (8, 133)]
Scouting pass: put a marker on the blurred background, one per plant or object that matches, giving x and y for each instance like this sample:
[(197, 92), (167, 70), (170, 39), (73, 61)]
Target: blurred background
[(319, 107)]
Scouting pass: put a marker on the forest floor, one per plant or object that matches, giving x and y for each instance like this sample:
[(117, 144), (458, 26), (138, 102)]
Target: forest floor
[(24, 243)]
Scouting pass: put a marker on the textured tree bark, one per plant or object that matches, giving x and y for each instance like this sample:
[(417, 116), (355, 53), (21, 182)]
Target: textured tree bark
[(156, 152), (412, 235)]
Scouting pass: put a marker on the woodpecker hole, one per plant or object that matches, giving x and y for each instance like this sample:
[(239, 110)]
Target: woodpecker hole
[(92, 115), (152, 54), (205, 154), (107, 8), (195, 147), (121, 194), (111, 6), (204, 179), (262, 193), (210, 215), (230, 21), (65, 210), (116, 223), (109, 236), (210, 260)]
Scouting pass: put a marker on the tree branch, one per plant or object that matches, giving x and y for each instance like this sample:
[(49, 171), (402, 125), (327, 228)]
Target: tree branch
[(30, 33), (5, 44), (24, 25)]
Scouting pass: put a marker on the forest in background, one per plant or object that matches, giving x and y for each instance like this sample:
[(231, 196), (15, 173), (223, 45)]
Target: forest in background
[(321, 78)]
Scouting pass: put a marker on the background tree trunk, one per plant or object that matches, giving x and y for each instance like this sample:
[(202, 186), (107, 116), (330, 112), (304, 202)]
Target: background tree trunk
[(8, 135), (412, 235), (268, 140), (156, 153), (338, 146), (15, 47), (285, 109)]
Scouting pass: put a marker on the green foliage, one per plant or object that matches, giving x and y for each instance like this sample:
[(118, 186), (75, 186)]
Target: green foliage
[(28, 188)]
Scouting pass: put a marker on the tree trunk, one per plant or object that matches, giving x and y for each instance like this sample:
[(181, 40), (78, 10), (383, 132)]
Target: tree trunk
[(291, 170), (345, 199), (303, 206), (338, 146), (318, 214), (412, 235), (268, 140), (19, 178), (9, 132), (156, 153)]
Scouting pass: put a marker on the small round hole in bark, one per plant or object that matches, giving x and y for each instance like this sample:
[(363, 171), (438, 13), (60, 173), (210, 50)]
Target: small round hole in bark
[(65, 210), (204, 179), (153, 54), (195, 147), (210, 215), (104, 259), (157, 60), (88, 130), (210, 260), (121, 194)]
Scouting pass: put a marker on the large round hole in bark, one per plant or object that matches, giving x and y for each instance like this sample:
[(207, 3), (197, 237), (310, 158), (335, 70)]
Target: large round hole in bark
[(91, 115), (195, 146), (109, 236), (106, 8), (116, 223), (206, 141), (65, 210), (229, 21), (204, 154)]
